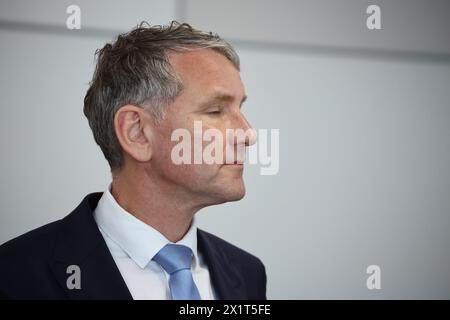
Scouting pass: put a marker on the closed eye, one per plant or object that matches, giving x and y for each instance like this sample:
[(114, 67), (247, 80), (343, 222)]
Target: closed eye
[(214, 111)]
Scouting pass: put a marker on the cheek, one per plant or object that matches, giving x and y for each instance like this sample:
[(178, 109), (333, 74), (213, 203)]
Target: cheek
[(180, 173), (164, 146)]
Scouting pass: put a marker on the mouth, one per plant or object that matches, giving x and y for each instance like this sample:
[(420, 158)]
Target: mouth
[(235, 163)]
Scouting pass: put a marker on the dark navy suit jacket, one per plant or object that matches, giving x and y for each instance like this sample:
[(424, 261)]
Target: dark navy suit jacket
[(34, 265)]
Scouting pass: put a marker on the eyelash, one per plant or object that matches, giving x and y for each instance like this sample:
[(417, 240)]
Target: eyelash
[(215, 112)]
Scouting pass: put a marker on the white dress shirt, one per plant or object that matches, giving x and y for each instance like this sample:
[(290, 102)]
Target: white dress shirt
[(133, 244)]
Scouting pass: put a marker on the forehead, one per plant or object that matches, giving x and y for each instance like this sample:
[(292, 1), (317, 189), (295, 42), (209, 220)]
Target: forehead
[(205, 71)]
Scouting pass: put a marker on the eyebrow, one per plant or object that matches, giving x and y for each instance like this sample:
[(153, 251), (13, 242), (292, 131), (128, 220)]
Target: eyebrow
[(225, 97)]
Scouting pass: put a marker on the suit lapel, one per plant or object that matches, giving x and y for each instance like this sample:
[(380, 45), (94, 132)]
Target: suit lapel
[(227, 282), (81, 244)]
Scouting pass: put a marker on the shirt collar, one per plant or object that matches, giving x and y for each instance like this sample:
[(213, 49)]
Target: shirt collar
[(139, 240)]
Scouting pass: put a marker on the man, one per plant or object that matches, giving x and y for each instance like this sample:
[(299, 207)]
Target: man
[(139, 238)]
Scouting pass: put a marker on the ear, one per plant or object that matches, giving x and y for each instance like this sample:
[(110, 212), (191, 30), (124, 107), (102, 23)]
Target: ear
[(134, 130)]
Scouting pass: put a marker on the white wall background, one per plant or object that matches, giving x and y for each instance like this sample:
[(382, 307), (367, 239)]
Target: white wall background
[(364, 134)]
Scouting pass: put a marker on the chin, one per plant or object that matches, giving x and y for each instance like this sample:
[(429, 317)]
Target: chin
[(223, 188), (224, 192), (234, 193), (235, 197)]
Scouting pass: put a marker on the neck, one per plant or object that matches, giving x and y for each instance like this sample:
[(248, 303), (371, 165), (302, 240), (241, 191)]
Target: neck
[(154, 204)]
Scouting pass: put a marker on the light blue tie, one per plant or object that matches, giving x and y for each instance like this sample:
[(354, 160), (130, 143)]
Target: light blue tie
[(176, 260)]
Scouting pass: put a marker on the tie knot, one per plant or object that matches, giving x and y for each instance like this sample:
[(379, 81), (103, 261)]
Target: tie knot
[(174, 257)]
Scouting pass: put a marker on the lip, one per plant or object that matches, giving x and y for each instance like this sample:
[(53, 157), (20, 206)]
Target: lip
[(236, 162)]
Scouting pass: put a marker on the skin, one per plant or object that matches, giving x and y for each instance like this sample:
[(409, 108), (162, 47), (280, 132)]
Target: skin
[(150, 186)]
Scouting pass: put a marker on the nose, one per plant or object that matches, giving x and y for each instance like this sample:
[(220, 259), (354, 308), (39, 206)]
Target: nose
[(250, 133)]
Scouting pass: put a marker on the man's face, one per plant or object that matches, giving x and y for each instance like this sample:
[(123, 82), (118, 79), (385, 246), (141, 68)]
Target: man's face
[(213, 94)]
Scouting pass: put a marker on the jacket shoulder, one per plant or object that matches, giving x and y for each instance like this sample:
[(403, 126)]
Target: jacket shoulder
[(24, 264), (32, 244)]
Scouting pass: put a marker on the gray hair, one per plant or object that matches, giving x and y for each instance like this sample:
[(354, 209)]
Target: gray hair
[(135, 70)]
